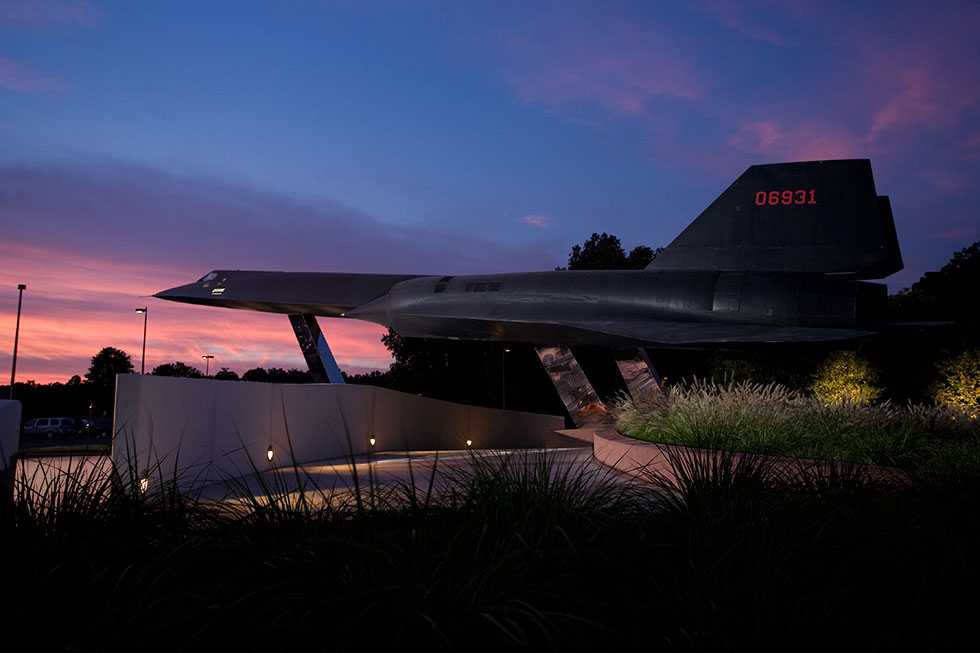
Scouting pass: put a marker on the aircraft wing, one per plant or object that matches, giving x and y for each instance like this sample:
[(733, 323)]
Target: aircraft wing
[(321, 293)]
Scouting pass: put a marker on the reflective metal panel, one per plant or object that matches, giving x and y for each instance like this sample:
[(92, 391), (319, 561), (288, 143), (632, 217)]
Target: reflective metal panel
[(578, 395), (638, 372)]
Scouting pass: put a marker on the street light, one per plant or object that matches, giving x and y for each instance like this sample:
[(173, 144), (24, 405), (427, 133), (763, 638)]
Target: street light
[(207, 363), (503, 377), (143, 356), (21, 287)]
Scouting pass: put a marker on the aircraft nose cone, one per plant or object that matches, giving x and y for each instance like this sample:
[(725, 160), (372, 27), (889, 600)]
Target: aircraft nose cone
[(178, 293)]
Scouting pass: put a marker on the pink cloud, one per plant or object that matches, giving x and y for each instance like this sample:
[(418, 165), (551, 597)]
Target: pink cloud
[(77, 12), (748, 19), (924, 81), (971, 145), (948, 181), (536, 220), (917, 102), (616, 66), (963, 233), (16, 76), (795, 141)]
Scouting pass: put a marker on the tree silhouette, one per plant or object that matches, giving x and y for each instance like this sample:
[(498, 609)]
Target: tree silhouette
[(177, 368), (277, 375), (256, 374), (944, 295), (605, 252), (106, 365), (224, 374), (641, 256), (600, 252)]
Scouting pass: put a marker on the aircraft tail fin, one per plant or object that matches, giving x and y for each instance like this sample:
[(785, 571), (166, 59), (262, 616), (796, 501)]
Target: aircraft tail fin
[(815, 216)]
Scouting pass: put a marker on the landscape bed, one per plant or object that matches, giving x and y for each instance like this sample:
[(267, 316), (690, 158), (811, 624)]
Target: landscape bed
[(773, 420)]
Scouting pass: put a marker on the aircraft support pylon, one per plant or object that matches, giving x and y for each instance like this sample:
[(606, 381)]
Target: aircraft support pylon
[(315, 349)]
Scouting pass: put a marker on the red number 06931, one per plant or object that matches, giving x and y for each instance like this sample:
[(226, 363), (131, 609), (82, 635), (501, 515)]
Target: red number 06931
[(774, 197)]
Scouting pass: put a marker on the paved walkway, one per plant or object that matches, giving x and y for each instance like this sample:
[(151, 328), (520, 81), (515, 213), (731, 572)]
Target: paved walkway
[(396, 471), (388, 475)]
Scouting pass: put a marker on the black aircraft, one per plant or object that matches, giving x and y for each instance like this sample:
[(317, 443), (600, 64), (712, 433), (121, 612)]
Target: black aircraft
[(783, 255)]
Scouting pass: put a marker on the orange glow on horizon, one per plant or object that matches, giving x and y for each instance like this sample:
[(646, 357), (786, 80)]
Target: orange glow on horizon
[(74, 305)]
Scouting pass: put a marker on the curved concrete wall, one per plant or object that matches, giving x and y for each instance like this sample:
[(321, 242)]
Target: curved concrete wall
[(10, 431), (653, 460), (210, 429)]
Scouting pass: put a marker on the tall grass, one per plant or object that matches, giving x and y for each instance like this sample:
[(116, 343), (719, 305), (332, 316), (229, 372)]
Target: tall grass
[(771, 419), (521, 551)]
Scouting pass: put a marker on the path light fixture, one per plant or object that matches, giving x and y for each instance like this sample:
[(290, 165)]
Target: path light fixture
[(373, 441), (469, 443), (269, 454)]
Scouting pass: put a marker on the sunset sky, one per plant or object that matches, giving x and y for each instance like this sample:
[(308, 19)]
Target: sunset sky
[(143, 144)]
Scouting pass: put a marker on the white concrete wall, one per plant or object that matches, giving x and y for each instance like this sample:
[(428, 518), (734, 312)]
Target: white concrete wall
[(210, 429), (9, 430)]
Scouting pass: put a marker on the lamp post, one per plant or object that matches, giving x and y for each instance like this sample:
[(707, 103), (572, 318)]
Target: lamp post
[(503, 377), (207, 363), (143, 355), (21, 287)]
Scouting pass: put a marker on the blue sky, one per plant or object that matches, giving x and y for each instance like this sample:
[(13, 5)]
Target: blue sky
[(177, 137)]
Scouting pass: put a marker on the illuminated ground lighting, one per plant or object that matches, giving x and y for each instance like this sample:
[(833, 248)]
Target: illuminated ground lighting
[(144, 485), (469, 443), (372, 441), (269, 454)]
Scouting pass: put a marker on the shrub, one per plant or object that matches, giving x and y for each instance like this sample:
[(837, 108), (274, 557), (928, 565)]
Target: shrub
[(959, 387), (846, 377)]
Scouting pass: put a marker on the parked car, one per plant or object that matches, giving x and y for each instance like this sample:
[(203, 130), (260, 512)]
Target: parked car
[(51, 426), (98, 427)]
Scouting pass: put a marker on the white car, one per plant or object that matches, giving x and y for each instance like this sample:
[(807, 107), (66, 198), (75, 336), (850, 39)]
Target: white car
[(51, 426)]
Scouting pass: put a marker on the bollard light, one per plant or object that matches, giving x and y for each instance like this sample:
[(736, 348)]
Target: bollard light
[(144, 485), (372, 441), (269, 455), (469, 443)]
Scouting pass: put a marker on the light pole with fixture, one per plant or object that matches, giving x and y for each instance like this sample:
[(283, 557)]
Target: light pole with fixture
[(207, 363), (143, 356), (21, 287), (503, 377)]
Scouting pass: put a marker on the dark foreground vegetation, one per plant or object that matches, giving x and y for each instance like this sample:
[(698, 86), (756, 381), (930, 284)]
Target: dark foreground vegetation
[(521, 553)]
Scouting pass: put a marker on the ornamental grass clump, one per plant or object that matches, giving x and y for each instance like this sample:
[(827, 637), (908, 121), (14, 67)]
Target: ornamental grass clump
[(742, 415), (771, 419)]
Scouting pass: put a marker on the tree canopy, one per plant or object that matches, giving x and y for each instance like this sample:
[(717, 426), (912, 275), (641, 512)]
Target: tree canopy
[(177, 368), (605, 252), (948, 294), (277, 375), (106, 365), (224, 374)]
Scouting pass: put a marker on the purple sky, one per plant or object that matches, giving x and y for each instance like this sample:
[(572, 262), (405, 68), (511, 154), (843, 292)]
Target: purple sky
[(143, 146)]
